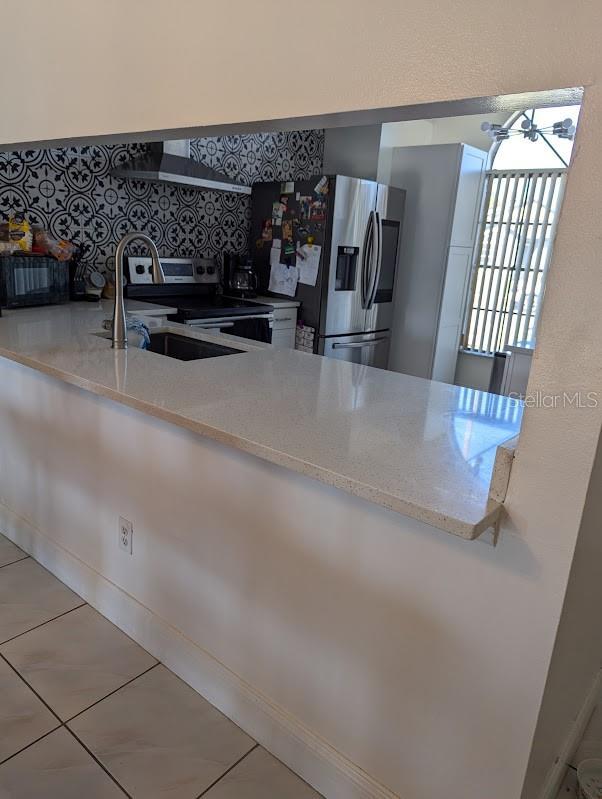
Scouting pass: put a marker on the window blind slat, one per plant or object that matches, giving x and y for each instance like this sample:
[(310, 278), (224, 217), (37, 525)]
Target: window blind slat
[(523, 267), (488, 228), (524, 230), (495, 271), (550, 182), (499, 293), (517, 211), (556, 206)]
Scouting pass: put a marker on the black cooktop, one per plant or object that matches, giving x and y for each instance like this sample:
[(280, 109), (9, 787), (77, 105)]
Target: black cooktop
[(209, 306)]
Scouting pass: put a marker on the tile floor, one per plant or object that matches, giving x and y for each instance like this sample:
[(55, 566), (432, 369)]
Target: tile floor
[(85, 711)]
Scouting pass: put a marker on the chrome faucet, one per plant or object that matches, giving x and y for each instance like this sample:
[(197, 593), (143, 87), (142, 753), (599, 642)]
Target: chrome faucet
[(120, 336)]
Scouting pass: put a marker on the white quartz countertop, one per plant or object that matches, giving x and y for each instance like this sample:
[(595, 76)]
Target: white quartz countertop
[(277, 302), (421, 448)]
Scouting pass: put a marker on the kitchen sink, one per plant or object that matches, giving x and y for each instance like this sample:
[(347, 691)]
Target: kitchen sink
[(187, 349)]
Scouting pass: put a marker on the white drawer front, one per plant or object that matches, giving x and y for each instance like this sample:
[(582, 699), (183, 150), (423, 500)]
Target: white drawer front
[(285, 317), (283, 339)]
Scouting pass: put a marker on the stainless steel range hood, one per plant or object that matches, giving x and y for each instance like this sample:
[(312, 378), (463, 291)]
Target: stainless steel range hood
[(170, 162)]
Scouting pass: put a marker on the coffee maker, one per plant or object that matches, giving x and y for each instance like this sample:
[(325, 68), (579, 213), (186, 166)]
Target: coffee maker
[(240, 279)]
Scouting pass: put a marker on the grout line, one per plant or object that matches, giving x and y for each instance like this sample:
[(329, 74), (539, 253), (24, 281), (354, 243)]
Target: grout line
[(15, 561), (21, 677), (63, 724), (103, 767), (227, 771), (23, 748), (37, 626), (114, 691)]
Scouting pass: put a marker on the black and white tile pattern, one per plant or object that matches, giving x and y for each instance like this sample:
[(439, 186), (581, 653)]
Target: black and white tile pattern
[(69, 192)]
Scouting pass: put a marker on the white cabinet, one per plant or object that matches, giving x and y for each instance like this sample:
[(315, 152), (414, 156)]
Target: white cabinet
[(283, 339), (449, 330), (443, 184), (285, 323)]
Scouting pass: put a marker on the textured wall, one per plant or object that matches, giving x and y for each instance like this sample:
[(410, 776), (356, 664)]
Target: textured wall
[(69, 191)]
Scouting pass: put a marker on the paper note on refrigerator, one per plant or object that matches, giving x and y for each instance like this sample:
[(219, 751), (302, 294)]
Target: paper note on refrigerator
[(283, 278), (308, 263), (275, 256)]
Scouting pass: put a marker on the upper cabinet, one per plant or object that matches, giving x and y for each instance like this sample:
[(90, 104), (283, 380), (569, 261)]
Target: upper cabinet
[(443, 184)]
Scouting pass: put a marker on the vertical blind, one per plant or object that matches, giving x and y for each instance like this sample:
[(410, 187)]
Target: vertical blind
[(518, 223)]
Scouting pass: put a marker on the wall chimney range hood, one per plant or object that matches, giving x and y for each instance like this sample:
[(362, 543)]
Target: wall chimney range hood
[(170, 162)]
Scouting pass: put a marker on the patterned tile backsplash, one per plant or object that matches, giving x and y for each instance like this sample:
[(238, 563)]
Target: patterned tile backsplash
[(70, 193)]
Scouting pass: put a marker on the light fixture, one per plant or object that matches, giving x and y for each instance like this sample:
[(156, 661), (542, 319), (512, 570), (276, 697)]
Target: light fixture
[(529, 130)]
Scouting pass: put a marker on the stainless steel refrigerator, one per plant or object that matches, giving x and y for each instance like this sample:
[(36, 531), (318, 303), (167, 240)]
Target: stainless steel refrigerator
[(358, 225)]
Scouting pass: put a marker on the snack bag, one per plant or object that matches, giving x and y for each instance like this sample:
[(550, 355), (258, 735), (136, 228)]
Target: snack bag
[(19, 234)]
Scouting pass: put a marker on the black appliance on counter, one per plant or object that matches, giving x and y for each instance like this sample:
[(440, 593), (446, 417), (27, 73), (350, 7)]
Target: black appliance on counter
[(240, 279), (32, 280), (192, 286)]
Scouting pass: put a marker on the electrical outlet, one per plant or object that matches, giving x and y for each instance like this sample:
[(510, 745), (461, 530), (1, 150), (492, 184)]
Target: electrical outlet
[(126, 535)]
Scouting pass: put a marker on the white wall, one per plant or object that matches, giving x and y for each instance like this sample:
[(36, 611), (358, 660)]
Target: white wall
[(578, 650), (76, 77), (444, 130)]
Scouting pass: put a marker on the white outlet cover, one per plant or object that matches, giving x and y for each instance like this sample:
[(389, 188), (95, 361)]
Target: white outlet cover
[(126, 535)]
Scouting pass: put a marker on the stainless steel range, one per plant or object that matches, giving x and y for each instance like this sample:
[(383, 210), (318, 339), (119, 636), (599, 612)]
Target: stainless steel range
[(192, 285)]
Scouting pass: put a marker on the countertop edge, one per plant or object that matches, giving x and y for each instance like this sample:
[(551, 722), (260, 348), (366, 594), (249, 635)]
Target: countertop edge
[(462, 528)]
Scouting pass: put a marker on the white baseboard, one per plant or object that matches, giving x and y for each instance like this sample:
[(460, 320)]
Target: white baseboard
[(572, 741), (305, 752)]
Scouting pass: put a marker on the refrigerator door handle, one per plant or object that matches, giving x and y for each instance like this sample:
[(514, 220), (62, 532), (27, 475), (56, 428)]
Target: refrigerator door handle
[(367, 248), (352, 345), (377, 257)]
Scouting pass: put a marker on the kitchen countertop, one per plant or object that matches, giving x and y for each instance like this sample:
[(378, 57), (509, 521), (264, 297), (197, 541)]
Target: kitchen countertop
[(421, 448), (277, 302)]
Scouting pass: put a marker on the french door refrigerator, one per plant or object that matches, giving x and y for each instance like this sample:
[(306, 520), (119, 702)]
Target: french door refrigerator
[(357, 223)]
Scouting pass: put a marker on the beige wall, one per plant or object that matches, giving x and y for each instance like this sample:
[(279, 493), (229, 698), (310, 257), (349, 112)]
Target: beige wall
[(578, 650), (84, 68)]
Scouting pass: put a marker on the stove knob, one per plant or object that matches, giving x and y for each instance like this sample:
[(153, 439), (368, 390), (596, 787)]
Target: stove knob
[(200, 270), (210, 270), (139, 269)]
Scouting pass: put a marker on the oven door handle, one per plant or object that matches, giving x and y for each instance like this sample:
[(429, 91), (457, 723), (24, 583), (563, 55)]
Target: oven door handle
[(220, 326), (226, 321)]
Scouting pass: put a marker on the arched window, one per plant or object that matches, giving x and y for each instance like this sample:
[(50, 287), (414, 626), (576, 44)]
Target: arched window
[(546, 151), (523, 193)]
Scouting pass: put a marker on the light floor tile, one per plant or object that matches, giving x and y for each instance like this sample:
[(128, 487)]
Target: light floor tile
[(9, 553), (57, 767), (29, 595), (569, 787), (159, 738), (76, 660), (23, 718), (261, 776)]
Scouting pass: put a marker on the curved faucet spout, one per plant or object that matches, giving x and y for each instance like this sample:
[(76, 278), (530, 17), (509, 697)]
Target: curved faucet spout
[(120, 337)]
